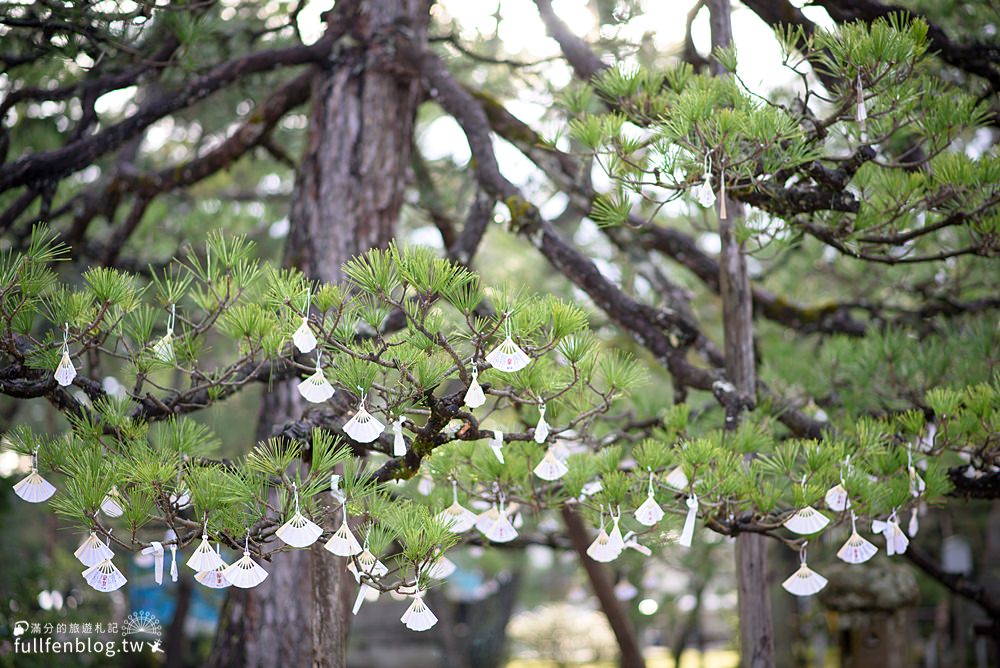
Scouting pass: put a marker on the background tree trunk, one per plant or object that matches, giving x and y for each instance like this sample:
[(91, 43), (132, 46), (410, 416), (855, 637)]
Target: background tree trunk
[(756, 625), (348, 193)]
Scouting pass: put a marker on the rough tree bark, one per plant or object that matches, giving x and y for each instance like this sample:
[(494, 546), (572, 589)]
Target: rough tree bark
[(348, 193), (756, 624)]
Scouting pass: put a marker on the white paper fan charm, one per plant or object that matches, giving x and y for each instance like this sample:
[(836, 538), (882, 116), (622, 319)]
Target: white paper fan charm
[(398, 442), (856, 550), (496, 445), (104, 577), (112, 503), (299, 531), (550, 468), (441, 568), (163, 349), (65, 371), (837, 499), (343, 543), (601, 549), (363, 427), (33, 488), (368, 564), (205, 558), (649, 513), (418, 617), (508, 357), (805, 581), (93, 551), (502, 530), (316, 388), (214, 578), (806, 521), (245, 573), (474, 396), (687, 534), (486, 519), (458, 518), (677, 479), (303, 338)]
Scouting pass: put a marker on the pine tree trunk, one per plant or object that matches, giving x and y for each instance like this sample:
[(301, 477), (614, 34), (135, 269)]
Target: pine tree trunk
[(754, 606), (348, 193)]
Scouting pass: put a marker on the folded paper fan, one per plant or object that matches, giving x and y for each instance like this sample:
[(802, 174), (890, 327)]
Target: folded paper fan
[(508, 357), (458, 518), (316, 388), (441, 568), (367, 563), (486, 519), (33, 488), (474, 396), (677, 479), (104, 576), (163, 349), (363, 427), (550, 468), (602, 549), (343, 543), (214, 579), (804, 582), (502, 530), (299, 531), (205, 558), (65, 371), (244, 573), (112, 503), (418, 617), (303, 338), (649, 513), (856, 550), (93, 551), (836, 499), (806, 521)]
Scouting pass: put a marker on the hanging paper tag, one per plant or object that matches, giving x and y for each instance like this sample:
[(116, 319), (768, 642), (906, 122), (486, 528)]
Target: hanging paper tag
[(687, 535), (156, 549)]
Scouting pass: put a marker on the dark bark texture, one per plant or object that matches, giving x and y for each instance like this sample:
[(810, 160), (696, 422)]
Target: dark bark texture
[(348, 193)]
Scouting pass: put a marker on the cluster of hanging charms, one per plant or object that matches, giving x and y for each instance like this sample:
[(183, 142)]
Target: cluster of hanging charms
[(398, 442), (213, 578), (103, 575), (207, 563), (418, 617), (458, 518), (474, 396), (495, 524), (508, 356), (343, 543), (608, 545), (650, 512), (299, 531), (363, 427), (163, 349), (857, 549), (496, 445), (316, 388), (896, 541), (245, 573), (303, 338), (33, 488), (805, 581), (806, 520), (65, 371)]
